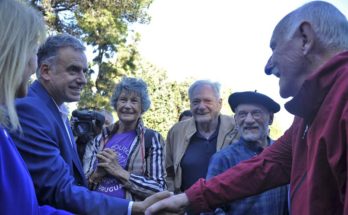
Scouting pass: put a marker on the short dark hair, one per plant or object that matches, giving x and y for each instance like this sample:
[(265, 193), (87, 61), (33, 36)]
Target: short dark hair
[(48, 51)]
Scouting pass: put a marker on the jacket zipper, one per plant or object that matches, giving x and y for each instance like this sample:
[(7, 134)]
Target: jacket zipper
[(305, 132)]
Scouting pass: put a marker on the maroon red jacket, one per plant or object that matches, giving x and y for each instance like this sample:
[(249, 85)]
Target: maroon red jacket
[(312, 155)]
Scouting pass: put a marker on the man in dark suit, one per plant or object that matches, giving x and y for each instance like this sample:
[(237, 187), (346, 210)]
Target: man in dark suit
[(46, 142)]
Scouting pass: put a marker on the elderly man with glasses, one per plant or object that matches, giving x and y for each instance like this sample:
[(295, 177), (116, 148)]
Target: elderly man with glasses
[(254, 114)]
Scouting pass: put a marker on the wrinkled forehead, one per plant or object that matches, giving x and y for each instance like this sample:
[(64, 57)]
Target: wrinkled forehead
[(275, 39), (70, 56), (205, 91)]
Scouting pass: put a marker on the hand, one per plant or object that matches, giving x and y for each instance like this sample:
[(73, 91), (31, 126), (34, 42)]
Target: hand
[(95, 178), (99, 173), (140, 207), (108, 160), (175, 204)]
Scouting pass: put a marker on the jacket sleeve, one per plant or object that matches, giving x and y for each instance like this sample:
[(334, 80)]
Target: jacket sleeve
[(39, 145), (345, 138), (169, 164), (154, 179), (269, 169), (90, 155)]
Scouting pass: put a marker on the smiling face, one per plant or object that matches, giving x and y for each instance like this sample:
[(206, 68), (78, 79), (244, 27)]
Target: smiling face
[(128, 108), (252, 121), (288, 64), (291, 59), (65, 78), (205, 105)]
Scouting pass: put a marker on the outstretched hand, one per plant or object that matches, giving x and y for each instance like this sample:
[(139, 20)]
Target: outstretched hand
[(175, 204), (140, 207)]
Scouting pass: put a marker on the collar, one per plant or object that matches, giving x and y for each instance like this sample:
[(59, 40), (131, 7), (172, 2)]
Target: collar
[(112, 129), (254, 147), (214, 134), (313, 91), (63, 110)]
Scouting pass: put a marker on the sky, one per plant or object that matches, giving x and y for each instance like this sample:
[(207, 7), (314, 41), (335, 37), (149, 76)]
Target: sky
[(221, 40)]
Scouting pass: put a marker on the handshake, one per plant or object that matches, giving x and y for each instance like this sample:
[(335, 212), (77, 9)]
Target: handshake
[(162, 203)]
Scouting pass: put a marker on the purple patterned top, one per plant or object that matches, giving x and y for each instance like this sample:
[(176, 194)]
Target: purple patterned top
[(121, 144)]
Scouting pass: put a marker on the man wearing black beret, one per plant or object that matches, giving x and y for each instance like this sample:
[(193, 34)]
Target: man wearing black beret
[(253, 114)]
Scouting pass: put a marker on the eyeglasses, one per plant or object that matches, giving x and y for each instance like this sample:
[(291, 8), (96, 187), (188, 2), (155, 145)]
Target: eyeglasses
[(256, 114)]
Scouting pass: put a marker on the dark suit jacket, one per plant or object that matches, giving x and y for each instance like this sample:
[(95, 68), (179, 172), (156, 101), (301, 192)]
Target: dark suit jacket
[(53, 162)]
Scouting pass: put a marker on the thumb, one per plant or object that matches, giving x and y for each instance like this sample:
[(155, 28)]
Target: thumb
[(157, 197)]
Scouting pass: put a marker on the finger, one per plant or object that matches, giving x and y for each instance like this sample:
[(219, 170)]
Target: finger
[(160, 197), (156, 208), (104, 165), (101, 157), (157, 197), (108, 153), (109, 158), (112, 154), (175, 204), (105, 153), (109, 150)]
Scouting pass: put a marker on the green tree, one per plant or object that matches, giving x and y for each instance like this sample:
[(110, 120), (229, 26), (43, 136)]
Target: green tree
[(168, 97), (99, 88), (103, 25), (276, 130)]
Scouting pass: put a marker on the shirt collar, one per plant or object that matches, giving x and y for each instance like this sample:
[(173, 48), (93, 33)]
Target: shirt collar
[(63, 110), (254, 147)]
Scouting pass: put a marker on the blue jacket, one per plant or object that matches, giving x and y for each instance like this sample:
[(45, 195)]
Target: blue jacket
[(17, 194), (52, 161)]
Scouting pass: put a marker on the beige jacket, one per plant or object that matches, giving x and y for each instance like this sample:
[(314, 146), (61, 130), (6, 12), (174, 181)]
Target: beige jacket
[(179, 138)]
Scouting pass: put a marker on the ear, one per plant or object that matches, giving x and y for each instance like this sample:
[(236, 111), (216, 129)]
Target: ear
[(220, 103), (308, 37), (271, 117), (235, 121), (44, 72)]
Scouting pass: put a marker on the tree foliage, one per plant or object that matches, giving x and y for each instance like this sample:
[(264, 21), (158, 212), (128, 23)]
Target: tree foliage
[(104, 25), (169, 98)]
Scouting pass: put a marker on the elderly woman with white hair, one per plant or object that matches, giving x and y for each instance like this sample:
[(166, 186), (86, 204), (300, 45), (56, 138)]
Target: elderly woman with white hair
[(128, 160)]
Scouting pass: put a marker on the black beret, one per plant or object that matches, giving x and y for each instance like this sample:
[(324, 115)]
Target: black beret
[(249, 97)]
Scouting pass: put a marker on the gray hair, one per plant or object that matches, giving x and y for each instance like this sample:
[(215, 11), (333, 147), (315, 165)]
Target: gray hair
[(136, 85), (214, 85), (49, 50), (329, 24)]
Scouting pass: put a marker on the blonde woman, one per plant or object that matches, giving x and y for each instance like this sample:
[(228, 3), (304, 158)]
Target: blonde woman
[(21, 31)]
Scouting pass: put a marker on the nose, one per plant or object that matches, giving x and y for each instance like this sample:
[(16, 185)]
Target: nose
[(201, 105), (82, 79), (249, 118), (269, 66), (127, 104)]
